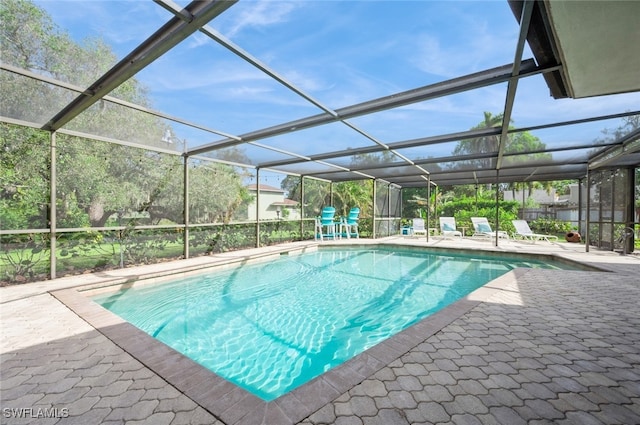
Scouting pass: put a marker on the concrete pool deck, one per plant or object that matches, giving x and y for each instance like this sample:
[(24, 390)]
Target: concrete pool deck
[(534, 346)]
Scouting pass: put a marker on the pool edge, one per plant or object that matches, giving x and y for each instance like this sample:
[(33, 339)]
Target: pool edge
[(234, 405)]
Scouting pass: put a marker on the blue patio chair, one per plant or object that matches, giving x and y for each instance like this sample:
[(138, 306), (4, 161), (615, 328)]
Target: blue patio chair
[(326, 225), (349, 224)]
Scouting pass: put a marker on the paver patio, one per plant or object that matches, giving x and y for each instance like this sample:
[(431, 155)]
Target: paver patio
[(535, 346)]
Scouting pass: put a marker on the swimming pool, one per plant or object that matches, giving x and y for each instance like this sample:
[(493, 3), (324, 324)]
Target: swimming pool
[(270, 327)]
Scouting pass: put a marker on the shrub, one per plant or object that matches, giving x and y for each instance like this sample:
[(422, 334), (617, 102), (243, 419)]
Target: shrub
[(550, 226)]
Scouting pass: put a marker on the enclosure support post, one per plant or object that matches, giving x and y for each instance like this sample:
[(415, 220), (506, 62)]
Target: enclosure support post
[(497, 205), (435, 204), (185, 198), (301, 208), (373, 217), (611, 236), (52, 206), (428, 203), (588, 217), (257, 208), (580, 201), (331, 194), (388, 210), (401, 207), (630, 208)]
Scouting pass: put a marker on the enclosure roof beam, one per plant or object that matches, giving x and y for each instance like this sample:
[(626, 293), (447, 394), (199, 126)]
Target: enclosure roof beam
[(398, 145), (512, 85), (65, 85), (168, 36), (456, 85), (238, 51), (578, 121), (628, 144)]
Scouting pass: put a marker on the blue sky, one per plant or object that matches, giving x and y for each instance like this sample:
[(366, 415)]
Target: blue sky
[(340, 53)]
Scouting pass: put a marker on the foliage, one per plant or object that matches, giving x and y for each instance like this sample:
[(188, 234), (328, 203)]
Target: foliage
[(24, 178), (216, 193), (414, 201), (317, 194), (138, 183), (464, 209), (550, 226), (25, 258), (98, 184), (347, 195), (223, 238), (518, 147)]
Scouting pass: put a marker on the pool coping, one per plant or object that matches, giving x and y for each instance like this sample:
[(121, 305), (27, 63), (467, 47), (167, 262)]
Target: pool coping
[(234, 405)]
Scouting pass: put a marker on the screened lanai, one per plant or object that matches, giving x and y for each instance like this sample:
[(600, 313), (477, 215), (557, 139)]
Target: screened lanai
[(135, 132)]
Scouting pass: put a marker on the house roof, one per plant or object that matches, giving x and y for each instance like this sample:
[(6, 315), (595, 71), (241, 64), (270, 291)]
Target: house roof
[(264, 188), (286, 203)]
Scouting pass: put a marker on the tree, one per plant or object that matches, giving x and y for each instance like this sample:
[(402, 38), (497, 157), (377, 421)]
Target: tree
[(24, 178), (216, 192), (95, 180), (485, 144), (350, 194), (317, 194)]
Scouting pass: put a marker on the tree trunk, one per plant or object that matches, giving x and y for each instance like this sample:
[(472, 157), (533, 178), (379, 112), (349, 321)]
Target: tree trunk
[(97, 215)]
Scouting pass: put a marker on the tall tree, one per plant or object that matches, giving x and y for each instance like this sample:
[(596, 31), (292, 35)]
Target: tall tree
[(94, 179), (481, 145)]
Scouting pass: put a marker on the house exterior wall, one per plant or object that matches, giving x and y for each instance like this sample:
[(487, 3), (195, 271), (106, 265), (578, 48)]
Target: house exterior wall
[(268, 211)]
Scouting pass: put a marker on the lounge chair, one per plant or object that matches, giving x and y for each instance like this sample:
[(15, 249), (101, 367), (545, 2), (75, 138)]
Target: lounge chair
[(325, 224), (418, 227), (350, 223), (482, 228), (524, 231), (448, 227)]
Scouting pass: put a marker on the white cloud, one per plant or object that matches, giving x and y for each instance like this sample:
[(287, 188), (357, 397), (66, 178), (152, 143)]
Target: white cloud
[(261, 14)]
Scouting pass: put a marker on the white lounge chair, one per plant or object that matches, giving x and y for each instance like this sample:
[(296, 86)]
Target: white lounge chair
[(482, 228), (418, 227), (448, 227), (524, 231)]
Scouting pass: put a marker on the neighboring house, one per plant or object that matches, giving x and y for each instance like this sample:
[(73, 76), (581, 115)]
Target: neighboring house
[(540, 196), (273, 204), (551, 205)]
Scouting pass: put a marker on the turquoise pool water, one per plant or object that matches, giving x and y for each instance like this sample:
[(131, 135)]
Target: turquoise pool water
[(270, 327)]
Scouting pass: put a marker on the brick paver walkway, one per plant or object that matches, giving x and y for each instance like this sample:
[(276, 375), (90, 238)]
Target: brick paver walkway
[(547, 347), (64, 363), (545, 351)]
